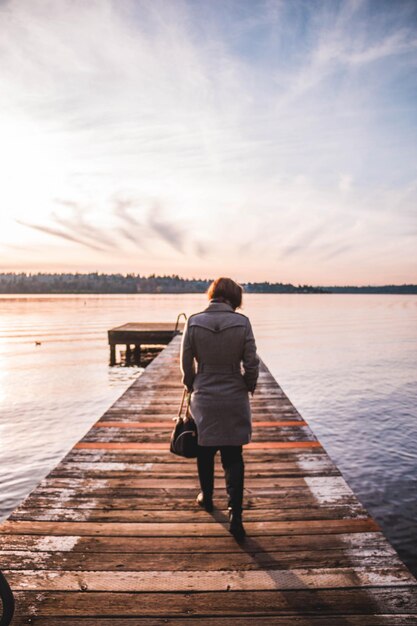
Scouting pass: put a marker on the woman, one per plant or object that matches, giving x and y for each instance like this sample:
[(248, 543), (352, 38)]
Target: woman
[(219, 341)]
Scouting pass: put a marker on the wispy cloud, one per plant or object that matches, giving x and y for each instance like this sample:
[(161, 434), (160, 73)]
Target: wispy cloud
[(167, 229), (131, 229), (301, 242), (337, 251), (50, 230), (75, 227), (77, 224)]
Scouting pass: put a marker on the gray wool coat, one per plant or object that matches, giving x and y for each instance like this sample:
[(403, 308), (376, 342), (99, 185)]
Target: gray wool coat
[(220, 367)]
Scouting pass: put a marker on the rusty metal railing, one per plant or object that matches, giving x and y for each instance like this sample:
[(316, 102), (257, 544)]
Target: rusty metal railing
[(178, 321)]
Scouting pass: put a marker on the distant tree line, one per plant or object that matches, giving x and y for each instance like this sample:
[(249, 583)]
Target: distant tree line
[(267, 287), (67, 283), (135, 283), (128, 283), (393, 289)]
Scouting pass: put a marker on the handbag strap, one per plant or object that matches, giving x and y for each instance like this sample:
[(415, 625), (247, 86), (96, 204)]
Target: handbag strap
[(187, 410)]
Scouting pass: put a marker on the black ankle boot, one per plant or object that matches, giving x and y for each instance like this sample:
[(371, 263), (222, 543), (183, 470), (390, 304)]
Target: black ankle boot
[(236, 527), (205, 502)]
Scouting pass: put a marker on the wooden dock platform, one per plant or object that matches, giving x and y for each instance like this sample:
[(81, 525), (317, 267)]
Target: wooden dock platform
[(139, 334), (113, 537)]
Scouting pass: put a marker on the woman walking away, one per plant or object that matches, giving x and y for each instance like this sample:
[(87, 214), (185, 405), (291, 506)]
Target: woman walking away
[(216, 344)]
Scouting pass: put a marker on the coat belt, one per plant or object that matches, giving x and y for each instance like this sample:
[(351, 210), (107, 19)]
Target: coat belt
[(219, 369)]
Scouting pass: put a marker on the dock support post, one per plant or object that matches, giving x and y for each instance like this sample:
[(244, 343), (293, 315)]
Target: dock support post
[(112, 354), (128, 354), (136, 354)]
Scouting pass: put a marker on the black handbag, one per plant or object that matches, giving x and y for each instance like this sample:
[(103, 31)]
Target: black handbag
[(184, 436)]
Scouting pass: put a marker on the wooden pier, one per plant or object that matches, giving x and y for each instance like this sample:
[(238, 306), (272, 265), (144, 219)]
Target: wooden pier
[(113, 537), (139, 334)]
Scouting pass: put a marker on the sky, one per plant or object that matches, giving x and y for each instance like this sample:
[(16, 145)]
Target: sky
[(259, 139)]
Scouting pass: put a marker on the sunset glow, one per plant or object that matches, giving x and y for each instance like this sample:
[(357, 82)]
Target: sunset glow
[(267, 140)]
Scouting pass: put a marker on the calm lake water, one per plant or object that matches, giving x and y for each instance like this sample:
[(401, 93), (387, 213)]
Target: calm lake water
[(347, 362)]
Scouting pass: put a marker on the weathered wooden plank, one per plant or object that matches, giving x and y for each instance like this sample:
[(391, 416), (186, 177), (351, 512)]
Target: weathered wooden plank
[(132, 474), (160, 436), (226, 603), (370, 542), (202, 529), (162, 446), (153, 500), (142, 333), (166, 425), (207, 561), (169, 412), (352, 511), (216, 580), (307, 465), (330, 484), (293, 620), (159, 495), (164, 455)]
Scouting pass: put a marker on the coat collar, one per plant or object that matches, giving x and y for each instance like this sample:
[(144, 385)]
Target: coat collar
[(219, 306)]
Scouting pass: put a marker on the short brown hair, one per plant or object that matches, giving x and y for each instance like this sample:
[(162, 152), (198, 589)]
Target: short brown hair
[(226, 289)]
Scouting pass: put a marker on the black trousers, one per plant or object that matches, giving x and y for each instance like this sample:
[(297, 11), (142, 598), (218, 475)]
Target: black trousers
[(234, 469)]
